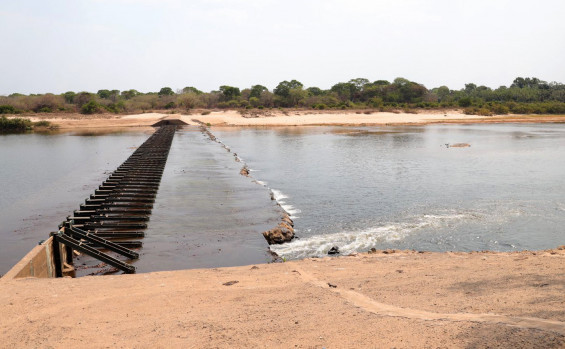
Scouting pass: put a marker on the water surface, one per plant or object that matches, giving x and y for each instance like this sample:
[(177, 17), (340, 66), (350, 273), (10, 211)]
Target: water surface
[(44, 177), (352, 187), (402, 187)]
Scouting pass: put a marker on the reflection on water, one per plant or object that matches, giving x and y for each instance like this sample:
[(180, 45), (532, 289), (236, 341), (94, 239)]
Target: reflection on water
[(351, 187), (402, 187), (46, 176)]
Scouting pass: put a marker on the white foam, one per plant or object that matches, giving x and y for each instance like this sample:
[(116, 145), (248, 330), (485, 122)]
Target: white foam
[(261, 183), (279, 196), (353, 241), (291, 210)]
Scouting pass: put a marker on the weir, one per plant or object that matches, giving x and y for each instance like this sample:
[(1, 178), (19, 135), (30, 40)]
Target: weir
[(118, 210)]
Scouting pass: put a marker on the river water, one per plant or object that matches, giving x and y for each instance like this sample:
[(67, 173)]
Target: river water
[(352, 187), (404, 188)]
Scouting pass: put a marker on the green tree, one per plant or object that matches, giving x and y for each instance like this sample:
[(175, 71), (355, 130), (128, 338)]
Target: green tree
[(470, 88), (129, 94), (104, 94), (315, 91), (69, 96), (344, 90), (442, 93), (190, 89), (381, 83), (284, 87), (256, 91), (166, 91), (359, 83), (229, 92)]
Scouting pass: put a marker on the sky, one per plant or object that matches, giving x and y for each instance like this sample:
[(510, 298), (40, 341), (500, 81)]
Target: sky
[(87, 45)]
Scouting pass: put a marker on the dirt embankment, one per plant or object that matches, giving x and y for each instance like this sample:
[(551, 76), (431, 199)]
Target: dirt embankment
[(397, 299)]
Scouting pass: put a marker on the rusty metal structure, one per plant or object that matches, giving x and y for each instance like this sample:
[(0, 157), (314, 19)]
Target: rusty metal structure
[(117, 211)]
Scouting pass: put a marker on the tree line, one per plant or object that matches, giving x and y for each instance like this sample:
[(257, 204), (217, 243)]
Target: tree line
[(523, 96)]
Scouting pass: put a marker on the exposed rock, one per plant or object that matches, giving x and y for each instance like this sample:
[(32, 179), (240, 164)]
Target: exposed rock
[(279, 235), (244, 171), (284, 225), (332, 285), (372, 250), (229, 283), (286, 218), (275, 257), (334, 250)]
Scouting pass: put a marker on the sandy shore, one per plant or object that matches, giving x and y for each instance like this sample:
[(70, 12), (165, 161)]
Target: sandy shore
[(290, 118), (404, 299)]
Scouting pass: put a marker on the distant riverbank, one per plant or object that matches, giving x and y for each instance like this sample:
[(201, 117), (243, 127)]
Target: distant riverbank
[(285, 118)]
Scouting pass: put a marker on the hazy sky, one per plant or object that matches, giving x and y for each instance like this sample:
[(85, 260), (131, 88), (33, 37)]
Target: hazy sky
[(57, 46)]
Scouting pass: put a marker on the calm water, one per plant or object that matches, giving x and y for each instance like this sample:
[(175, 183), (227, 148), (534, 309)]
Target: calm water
[(401, 187), (44, 177), (355, 188)]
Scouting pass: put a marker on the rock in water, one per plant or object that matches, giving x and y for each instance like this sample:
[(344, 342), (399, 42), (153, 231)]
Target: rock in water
[(284, 232), (334, 250), (279, 235)]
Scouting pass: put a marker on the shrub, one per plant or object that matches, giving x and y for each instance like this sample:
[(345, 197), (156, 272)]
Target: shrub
[(44, 110), (15, 124), (499, 109), (465, 102), (42, 123), (484, 112), (170, 105), (8, 109), (90, 108)]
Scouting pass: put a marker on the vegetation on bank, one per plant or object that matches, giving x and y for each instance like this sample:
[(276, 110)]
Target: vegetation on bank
[(21, 124), (523, 96)]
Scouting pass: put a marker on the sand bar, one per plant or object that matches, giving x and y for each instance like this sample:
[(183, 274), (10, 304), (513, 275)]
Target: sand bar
[(287, 118)]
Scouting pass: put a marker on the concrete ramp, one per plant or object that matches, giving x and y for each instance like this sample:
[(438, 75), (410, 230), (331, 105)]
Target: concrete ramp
[(171, 121)]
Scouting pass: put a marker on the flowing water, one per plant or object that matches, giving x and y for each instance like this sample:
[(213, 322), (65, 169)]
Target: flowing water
[(352, 187), (404, 188)]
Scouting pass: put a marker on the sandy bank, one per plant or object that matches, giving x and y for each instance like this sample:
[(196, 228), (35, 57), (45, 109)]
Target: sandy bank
[(402, 299), (290, 118)]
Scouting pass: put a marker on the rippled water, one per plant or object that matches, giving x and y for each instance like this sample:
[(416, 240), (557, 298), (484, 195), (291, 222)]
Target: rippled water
[(351, 187), (402, 187)]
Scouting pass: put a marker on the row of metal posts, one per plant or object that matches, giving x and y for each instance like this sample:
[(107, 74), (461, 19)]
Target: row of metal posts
[(119, 209)]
